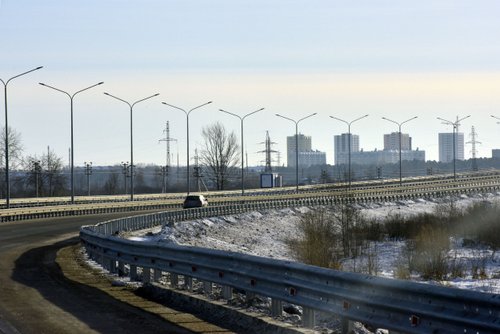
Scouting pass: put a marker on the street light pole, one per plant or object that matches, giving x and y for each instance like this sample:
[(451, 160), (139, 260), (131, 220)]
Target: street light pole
[(7, 179), (71, 97), (242, 152), (187, 135), (296, 145), (455, 128), (400, 163), (131, 105), (349, 139)]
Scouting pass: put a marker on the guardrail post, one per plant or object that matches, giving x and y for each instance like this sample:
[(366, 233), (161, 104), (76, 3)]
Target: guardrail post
[(249, 296), (308, 317), (133, 272), (227, 292), (276, 307), (156, 275), (121, 268), (188, 283), (146, 275), (207, 287), (174, 280), (347, 326), (100, 259), (112, 265)]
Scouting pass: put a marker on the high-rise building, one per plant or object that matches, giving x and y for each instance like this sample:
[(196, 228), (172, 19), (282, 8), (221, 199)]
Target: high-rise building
[(391, 142), (304, 144), (341, 147), (446, 146)]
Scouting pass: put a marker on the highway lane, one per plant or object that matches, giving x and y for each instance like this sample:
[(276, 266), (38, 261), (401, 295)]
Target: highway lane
[(35, 297)]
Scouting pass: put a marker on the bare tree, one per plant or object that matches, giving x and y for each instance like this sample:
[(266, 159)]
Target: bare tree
[(220, 153), (50, 178), (15, 148), (33, 178), (55, 179), (111, 185), (15, 154)]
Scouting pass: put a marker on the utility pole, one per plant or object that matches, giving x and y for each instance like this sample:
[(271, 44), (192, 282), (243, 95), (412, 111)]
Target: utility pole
[(49, 171), (88, 172), (268, 150), (473, 142), (166, 168), (125, 171), (197, 170), (37, 170)]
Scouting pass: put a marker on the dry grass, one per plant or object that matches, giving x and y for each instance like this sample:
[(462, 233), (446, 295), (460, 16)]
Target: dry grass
[(329, 237)]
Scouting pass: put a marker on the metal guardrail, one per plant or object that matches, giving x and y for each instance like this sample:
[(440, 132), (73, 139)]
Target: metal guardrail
[(396, 305), (361, 193), (326, 188)]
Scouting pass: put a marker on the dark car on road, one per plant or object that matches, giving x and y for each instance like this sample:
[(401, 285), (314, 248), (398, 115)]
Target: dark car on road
[(194, 201)]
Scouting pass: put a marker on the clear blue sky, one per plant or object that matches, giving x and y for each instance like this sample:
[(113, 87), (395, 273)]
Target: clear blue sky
[(395, 59)]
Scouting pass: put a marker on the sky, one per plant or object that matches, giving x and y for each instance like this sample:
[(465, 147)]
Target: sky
[(394, 59)]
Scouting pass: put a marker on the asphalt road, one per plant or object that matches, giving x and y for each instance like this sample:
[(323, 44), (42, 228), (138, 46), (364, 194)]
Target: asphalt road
[(35, 297)]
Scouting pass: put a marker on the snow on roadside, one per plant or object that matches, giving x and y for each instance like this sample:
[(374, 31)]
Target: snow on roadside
[(264, 234), (257, 233)]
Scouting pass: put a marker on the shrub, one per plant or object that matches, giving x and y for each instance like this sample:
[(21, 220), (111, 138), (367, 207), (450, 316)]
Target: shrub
[(431, 247), (481, 222), (401, 270), (457, 267), (398, 227), (478, 266), (317, 244)]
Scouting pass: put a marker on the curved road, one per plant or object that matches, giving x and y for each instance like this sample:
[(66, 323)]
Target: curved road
[(35, 297)]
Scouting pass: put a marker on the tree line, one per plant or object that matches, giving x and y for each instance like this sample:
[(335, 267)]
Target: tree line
[(46, 175)]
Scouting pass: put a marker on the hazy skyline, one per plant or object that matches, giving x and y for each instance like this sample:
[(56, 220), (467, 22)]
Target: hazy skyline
[(396, 60)]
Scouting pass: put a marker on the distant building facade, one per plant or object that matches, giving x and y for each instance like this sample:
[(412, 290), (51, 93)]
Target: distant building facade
[(307, 156), (312, 158), (304, 144), (385, 157), (495, 153), (391, 141), (446, 146), (341, 147)]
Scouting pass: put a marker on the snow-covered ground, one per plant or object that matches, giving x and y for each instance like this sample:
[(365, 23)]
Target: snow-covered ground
[(263, 233)]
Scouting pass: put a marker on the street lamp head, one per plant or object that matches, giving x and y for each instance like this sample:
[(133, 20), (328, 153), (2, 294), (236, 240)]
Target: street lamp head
[(41, 83), (106, 93), (39, 67), (100, 83)]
